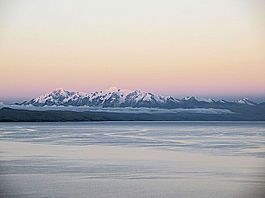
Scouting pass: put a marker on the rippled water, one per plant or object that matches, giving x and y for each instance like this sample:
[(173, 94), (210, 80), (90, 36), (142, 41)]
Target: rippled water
[(132, 159)]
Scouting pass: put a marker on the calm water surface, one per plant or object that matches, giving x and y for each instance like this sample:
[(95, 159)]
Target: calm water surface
[(132, 159)]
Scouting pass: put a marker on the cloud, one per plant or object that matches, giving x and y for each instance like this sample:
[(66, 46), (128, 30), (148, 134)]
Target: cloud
[(123, 109)]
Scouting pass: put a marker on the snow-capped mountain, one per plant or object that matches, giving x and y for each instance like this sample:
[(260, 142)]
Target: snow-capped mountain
[(246, 101), (115, 97), (112, 97), (197, 99)]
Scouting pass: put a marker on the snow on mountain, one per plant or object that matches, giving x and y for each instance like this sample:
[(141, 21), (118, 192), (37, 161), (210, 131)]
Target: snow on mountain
[(222, 101), (246, 101), (58, 96), (197, 99), (115, 97), (112, 97)]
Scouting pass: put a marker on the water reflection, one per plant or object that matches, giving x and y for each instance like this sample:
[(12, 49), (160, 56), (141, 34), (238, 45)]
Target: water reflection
[(132, 159)]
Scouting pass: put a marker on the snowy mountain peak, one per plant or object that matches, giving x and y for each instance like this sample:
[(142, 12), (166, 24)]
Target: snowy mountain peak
[(56, 97), (222, 101), (113, 89), (245, 100), (116, 97), (138, 91), (198, 99), (60, 91)]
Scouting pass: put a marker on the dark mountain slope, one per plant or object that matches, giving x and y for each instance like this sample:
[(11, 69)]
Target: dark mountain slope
[(13, 115)]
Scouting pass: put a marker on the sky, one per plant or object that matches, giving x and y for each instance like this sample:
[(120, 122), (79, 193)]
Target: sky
[(207, 48)]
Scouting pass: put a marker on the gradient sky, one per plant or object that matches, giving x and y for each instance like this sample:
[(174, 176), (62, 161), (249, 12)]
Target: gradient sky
[(171, 47)]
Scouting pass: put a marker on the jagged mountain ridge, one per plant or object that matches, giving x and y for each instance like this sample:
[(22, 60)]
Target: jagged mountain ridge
[(115, 97)]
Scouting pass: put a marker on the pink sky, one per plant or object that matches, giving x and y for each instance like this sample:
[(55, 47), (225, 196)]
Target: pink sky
[(214, 48)]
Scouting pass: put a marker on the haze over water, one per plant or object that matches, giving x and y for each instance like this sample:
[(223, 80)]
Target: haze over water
[(132, 159)]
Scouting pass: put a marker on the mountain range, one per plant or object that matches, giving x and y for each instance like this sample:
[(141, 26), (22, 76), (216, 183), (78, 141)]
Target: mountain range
[(124, 105), (115, 97)]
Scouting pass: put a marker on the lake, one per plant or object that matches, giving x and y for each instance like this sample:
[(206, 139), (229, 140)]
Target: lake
[(132, 159)]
